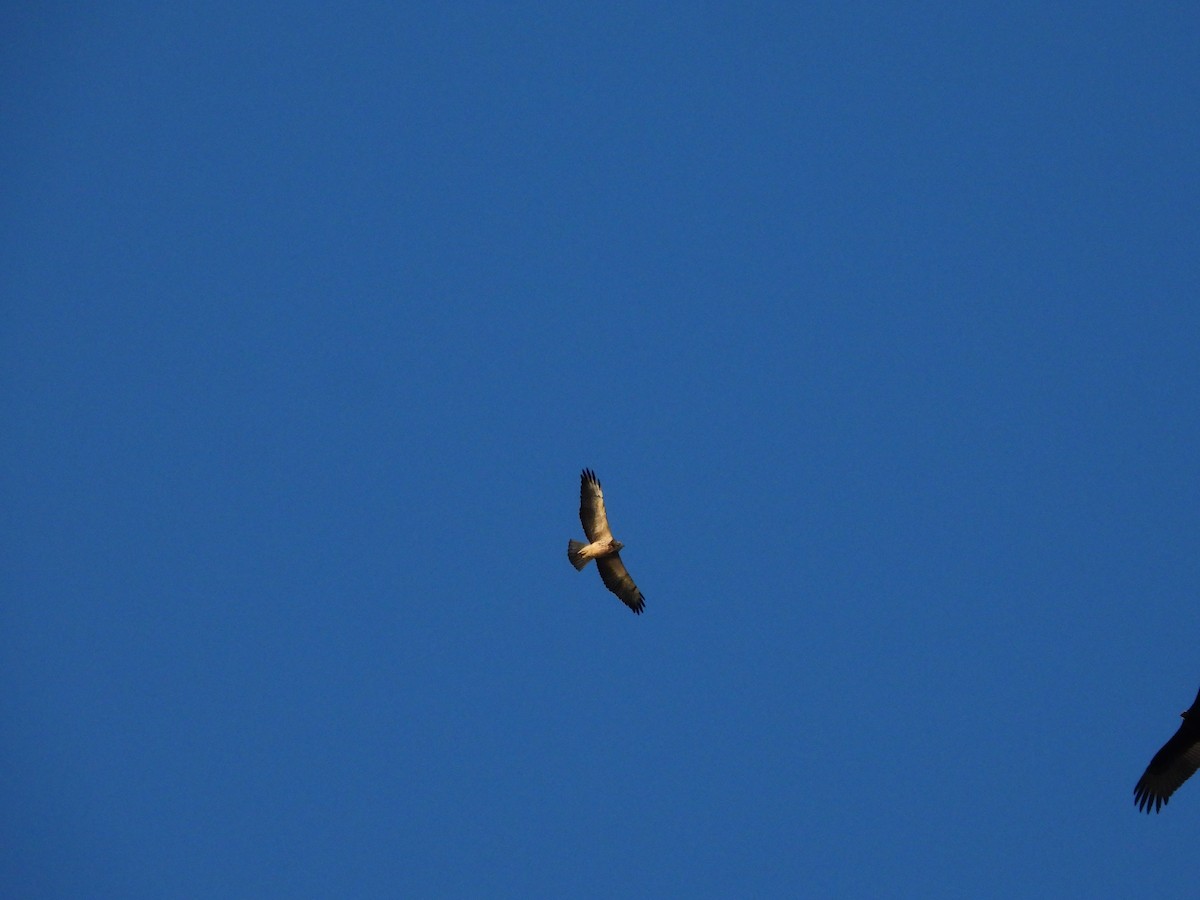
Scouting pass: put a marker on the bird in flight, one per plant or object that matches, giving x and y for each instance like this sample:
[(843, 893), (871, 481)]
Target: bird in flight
[(1172, 765), (601, 546)]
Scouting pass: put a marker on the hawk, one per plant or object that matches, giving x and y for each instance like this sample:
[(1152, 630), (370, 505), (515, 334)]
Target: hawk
[(1172, 765), (601, 546)]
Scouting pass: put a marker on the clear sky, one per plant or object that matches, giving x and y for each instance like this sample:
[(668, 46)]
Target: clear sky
[(878, 321)]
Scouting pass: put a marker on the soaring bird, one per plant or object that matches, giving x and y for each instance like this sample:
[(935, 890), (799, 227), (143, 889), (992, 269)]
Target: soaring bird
[(1172, 765), (602, 547)]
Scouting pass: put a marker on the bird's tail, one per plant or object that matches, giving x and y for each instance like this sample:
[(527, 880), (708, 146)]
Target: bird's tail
[(578, 560)]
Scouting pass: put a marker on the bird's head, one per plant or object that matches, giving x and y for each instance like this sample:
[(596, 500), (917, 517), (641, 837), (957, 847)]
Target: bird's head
[(616, 546)]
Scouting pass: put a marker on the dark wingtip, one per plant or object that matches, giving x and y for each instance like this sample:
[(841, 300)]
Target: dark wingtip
[(1146, 801)]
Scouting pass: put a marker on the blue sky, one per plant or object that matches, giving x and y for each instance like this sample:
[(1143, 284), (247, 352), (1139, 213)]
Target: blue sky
[(878, 322)]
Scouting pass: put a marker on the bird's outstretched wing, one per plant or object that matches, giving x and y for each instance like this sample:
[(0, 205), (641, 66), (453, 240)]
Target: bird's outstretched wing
[(1174, 764), (618, 580), (591, 508)]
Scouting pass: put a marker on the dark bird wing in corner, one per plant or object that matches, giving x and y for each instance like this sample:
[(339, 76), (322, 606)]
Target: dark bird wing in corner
[(1174, 764)]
